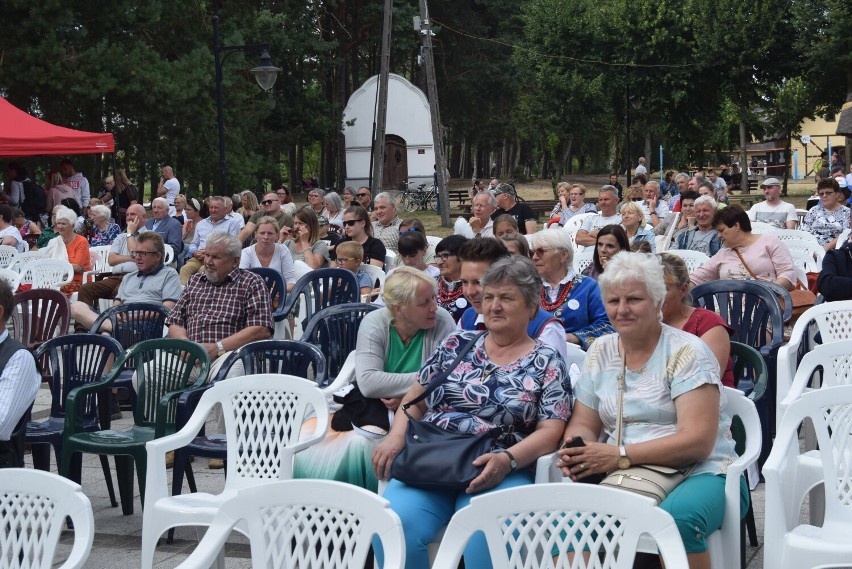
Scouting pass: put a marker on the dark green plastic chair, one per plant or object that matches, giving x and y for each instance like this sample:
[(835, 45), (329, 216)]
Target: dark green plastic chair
[(165, 368), (750, 377)]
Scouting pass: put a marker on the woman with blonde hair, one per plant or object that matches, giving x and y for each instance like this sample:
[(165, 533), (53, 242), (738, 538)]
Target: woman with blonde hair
[(572, 201), (267, 253), (58, 191), (249, 204), (633, 221)]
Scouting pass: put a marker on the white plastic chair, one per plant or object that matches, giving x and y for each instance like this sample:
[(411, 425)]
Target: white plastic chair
[(723, 545), (759, 228), (301, 268), (310, 524), (47, 273), (583, 259), (11, 277), (170, 254), (842, 238), (809, 247), (832, 320), (376, 273), (100, 262), (574, 223), (795, 234), (34, 505), (524, 526), (23, 259), (805, 260), (693, 259), (666, 242), (7, 256), (433, 241), (390, 260), (790, 475), (344, 378), (263, 416)]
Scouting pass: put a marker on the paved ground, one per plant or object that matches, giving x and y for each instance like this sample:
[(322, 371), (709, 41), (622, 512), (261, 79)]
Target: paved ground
[(117, 538)]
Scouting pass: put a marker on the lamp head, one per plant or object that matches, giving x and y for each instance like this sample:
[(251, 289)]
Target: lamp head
[(266, 74)]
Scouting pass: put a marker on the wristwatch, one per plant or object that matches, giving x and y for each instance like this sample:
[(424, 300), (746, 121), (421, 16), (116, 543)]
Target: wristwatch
[(220, 348), (623, 459), (513, 464)]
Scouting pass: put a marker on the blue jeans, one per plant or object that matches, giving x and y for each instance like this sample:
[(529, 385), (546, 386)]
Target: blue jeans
[(425, 512)]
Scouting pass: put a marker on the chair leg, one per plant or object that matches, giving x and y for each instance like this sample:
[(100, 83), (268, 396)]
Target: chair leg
[(141, 461), (177, 472), (190, 477), (751, 527), (108, 479), (41, 457), (124, 476)]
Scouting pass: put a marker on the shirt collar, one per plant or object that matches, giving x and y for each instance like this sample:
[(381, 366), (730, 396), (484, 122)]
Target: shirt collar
[(232, 276), (152, 273), (395, 221)]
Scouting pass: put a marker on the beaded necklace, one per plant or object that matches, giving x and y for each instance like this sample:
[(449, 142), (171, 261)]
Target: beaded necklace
[(446, 296), (564, 291)]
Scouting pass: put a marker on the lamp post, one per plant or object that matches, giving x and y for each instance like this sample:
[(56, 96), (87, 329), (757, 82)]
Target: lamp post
[(265, 74)]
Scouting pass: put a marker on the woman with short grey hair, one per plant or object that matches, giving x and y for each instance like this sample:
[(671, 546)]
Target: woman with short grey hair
[(104, 229), (334, 206)]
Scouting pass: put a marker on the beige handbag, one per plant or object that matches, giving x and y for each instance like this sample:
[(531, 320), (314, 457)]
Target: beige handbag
[(651, 480)]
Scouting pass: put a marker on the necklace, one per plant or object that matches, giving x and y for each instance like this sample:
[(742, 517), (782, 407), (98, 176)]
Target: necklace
[(564, 291), (446, 296)]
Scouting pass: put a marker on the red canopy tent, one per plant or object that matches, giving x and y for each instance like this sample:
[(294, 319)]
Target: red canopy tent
[(22, 134)]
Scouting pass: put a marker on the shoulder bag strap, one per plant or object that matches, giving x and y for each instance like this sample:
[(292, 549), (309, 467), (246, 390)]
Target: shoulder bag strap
[(442, 377), (747, 268), (618, 419)]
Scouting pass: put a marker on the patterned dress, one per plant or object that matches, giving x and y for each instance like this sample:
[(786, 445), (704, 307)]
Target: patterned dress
[(826, 225)]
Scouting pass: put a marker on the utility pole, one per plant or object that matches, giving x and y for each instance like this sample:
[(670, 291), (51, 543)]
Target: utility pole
[(435, 111), (378, 153)]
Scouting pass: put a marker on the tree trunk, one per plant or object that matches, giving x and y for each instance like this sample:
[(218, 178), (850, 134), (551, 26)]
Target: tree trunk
[(292, 167), (545, 164), (786, 163), (566, 156), (744, 155), (648, 161)]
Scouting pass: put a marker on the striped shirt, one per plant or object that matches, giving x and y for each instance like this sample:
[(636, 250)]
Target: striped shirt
[(19, 383)]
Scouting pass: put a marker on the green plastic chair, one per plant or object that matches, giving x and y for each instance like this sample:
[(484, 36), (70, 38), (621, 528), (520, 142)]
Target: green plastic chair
[(165, 368)]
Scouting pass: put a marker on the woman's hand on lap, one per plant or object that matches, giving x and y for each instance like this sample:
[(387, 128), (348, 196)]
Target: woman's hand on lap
[(594, 458), (383, 456), (496, 467)]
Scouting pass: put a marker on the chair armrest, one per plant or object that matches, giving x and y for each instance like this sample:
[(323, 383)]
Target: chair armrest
[(76, 398), (546, 470), (163, 407), (187, 403), (206, 553), (344, 378)]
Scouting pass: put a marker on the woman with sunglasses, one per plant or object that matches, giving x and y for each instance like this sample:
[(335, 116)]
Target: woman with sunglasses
[(573, 298), (306, 244), (450, 296), (357, 227)]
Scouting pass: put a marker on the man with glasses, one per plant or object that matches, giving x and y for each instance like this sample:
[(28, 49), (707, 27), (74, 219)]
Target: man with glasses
[(773, 210), (270, 205), (365, 198), (655, 209), (120, 260), (386, 224), (152, 281)]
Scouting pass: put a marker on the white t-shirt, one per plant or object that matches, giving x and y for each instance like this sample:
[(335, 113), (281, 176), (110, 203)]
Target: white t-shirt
[(640, 169), (595, 222), (776, 216), (12, 231), (282, 261), (662, 210)]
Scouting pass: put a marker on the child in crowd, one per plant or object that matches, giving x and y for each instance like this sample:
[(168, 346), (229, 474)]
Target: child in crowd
[(412, 248), (505, 224), (350, 256)]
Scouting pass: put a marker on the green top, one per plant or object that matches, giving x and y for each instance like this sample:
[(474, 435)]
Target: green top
[(402, 358)]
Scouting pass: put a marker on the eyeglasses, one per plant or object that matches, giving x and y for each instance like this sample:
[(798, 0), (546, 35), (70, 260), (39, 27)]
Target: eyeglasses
[(823, 194), (142, 253), (444, 256), (351, 222), (267, 202), (362, 195), (539, 251)]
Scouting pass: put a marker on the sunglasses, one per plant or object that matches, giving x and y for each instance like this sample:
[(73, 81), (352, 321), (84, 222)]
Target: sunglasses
[(267, 202), (539, 251), (362, 195), (351, 222)]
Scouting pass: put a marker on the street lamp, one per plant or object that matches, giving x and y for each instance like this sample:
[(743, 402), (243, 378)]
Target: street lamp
[(265, 74)]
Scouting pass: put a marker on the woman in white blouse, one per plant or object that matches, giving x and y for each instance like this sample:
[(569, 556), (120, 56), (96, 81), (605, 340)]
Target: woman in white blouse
[(266, 253)]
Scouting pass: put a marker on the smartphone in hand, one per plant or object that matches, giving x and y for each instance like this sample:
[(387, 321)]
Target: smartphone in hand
[(592, 479)]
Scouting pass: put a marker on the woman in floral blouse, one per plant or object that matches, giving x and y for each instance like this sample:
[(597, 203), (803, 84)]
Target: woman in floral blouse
[(827, 220), (104, 229), (508, 380)]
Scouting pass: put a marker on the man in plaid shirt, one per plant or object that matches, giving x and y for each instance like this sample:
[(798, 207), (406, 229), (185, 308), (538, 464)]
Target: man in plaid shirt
[(222, 308)]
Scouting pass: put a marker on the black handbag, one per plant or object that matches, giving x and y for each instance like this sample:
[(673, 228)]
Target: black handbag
[(434, 458)]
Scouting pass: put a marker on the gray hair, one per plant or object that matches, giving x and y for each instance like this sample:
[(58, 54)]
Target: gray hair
[(518, 271), (640, 267), (162, 201), (335, 200), (554, 238), (229, 242), (219, 199), (609, 188), (706, 199), (681, 176), (66, 214), (492, 200), (100, 211), (384, 196), (318, 191), (654, 184)]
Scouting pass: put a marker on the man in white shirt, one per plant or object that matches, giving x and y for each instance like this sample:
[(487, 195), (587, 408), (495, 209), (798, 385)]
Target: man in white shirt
[(608, 205), (653, 207), (640, 169), (216, 222), (78, 183), (169, 187), (720, 185), (481, 224), (774, 211)]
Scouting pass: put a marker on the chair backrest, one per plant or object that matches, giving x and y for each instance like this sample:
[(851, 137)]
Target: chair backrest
[(132, 323), (830, 412), (795, 235), (805, 259), (751, 309), (433, 240), (274, 281), (311, 524), (13, 278), (162, 366), (759, 228), (583, 260), (321, 288), (808, 246), (390, 260), (376, 274), (575, 221), (750, 372), (100, 258), (23, 259), (44, 313), (301, 268), (666, 243), (7, 256), (693, 259), (34, 506), (842, 238), (169, 254), (335, 331), (526, 525), (277, 356), (47, 273), (75, 360)]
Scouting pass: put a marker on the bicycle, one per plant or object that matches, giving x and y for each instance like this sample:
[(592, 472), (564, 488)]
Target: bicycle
[(419, 198)]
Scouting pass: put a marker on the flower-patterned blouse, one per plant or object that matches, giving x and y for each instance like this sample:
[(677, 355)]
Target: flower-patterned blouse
[(826, 225), (479, 395), (106, 237)]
